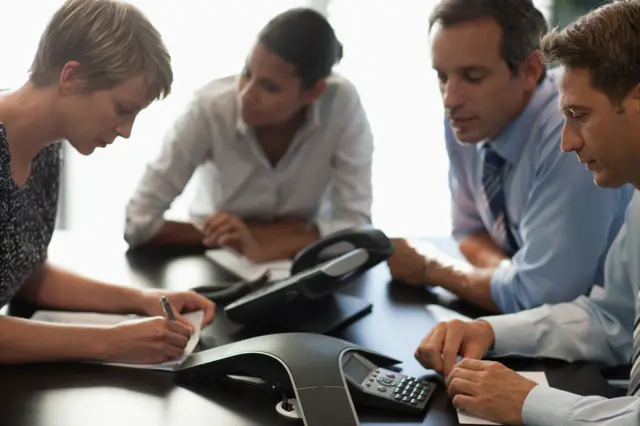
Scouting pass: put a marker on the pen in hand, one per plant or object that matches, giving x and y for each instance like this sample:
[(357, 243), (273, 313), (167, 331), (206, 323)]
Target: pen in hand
[(167, 309)]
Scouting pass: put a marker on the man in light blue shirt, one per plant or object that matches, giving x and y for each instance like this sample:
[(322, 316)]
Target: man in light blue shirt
[(527, 217), (600, 96)]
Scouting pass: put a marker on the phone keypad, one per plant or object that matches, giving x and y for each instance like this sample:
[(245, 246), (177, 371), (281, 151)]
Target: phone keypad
[(410, 391)]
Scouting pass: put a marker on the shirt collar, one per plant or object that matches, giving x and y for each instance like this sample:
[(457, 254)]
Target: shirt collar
[(511, 141), (241, 126)]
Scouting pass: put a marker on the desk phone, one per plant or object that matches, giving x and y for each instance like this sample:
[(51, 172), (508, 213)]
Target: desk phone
[(317, 273), (378, 387)]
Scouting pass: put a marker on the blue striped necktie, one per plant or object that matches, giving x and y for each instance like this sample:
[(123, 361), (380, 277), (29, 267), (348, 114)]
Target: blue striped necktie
[(493, 185), (634, 382)]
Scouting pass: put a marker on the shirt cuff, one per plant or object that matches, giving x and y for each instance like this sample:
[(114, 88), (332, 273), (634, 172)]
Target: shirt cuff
[(514, 334), (502, 288), (548, 406)]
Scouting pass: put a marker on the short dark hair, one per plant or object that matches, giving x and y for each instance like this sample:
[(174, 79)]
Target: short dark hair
[(522, 24), (304, 38), (604, 42)]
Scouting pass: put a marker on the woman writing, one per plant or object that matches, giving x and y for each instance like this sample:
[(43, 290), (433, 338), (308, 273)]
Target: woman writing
[(98, 63), (283, 152)]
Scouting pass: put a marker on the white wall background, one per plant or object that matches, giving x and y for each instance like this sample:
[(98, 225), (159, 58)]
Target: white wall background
[(386, 56)]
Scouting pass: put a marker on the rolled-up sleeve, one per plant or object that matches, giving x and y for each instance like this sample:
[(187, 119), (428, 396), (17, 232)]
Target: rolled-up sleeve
[(351, 192), (566, 228), (464, 214), (185, 147)]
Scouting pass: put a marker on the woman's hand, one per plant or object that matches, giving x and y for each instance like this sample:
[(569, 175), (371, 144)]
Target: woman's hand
[(182, 302), (227, 230), (147, 341)]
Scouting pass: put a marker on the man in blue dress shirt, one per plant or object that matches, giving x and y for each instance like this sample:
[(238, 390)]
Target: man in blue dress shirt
[(528, 218), (600, 96)]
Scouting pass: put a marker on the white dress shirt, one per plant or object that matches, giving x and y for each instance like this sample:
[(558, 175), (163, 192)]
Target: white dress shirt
[(324, 176), (597, 328)]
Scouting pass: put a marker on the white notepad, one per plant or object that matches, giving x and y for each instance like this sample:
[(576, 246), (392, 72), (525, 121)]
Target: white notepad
[(467, 419), (442, 314), (89, 318), (246, 269)]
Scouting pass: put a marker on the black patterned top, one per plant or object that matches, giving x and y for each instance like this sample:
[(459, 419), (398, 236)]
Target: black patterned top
[(27, 216)]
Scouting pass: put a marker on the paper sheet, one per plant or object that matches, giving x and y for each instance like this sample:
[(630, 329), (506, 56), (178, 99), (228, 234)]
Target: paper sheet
[(246, 269), (467, 419), (89, 318), (442, 314)]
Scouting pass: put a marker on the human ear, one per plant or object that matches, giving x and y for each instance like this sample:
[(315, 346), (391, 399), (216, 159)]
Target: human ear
[(314, 92), (532, 69), (70, 80)]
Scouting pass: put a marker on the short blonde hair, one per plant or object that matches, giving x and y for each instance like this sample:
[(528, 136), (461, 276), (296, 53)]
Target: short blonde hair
[(111, 40)]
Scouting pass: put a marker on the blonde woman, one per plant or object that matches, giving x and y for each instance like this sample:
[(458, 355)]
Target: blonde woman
[(98, 64)]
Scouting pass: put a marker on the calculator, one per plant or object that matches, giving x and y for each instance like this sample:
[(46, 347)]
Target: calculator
[(378, 387)]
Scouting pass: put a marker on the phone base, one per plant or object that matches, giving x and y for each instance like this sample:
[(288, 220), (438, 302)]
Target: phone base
[(318, 317), (293, 413), (307, 367)]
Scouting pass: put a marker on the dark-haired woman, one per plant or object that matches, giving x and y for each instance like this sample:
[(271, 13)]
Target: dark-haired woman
[(283, 152)]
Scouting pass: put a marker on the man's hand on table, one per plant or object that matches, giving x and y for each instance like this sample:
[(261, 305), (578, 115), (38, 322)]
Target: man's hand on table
[(440, 348), (483, 388), (406, 264), (489, 390)]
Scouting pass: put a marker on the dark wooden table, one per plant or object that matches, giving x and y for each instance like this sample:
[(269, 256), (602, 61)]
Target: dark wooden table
[(84, 394)]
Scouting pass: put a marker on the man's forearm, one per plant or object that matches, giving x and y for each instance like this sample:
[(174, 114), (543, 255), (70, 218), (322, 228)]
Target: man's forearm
[(481, 251), (56, 288), (473, 286), (282, 240), (24, 341)]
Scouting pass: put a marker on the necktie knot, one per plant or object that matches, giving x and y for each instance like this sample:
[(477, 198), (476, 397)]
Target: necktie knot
[(492, 158)]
